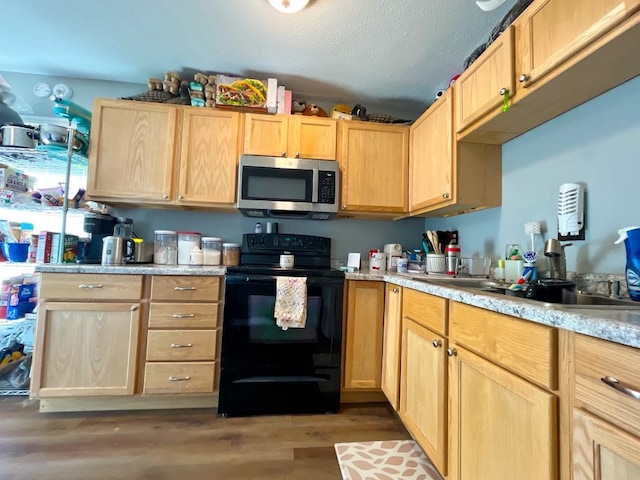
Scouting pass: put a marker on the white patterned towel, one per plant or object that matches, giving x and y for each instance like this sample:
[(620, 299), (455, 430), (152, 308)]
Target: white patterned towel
[(291, 302)]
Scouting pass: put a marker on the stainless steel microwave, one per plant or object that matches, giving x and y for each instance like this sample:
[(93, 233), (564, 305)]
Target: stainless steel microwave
[(279, 187)]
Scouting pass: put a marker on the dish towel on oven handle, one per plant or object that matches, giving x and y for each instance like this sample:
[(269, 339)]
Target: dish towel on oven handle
[(291, 302)]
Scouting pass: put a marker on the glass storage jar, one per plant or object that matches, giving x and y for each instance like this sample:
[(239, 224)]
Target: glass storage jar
[(187, 241), (165, 247), (230, 254), (212, 250)]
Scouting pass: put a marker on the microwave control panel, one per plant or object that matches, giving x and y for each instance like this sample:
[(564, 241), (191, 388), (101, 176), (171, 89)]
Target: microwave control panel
[(326, 187)]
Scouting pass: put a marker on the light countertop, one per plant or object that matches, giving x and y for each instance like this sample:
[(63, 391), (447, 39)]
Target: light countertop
[(133, 269), (616, 325)]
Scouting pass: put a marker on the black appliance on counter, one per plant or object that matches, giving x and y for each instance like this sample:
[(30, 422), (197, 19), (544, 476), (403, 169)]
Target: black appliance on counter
[(99, 225), (268, 370)]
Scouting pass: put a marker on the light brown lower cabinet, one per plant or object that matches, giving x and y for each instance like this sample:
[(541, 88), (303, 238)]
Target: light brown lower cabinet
[(391, 339), (423, 390), (363, 335), (502, 427), (85, 349)]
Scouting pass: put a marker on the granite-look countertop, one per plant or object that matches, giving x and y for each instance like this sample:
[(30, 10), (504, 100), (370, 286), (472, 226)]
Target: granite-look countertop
[(616, 325), (133, 269)]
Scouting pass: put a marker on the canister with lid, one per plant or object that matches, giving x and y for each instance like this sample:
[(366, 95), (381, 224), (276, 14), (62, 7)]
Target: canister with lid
[(165, 247), (212, 250), (230, 254), (186, 242)]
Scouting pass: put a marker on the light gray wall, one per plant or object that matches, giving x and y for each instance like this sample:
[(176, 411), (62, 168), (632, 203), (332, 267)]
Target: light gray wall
[(595, 144), (347, 235)]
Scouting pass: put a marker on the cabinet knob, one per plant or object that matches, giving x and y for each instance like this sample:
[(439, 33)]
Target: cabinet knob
[(523, 78), (134, 308), (344, 206), (445, 195), (396, 290), (284, 154), (180, 197), (452, 352), (297, 154), (503, 91), (165, 196), (437, 343)]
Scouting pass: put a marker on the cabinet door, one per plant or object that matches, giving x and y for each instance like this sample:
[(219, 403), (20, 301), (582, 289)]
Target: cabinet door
[(431, 161), (133, 148), (209, 157), (363, 344), (85, 349), (601, 451), (552, 31), (423, 391), (312, 137), (392, 333), (374, 165), (502, 427), (482, 87), (266, 134)]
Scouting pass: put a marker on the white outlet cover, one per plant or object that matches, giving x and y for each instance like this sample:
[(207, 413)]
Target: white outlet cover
[(62, 91)]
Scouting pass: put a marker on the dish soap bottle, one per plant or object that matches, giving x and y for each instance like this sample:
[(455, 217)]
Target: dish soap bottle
[(631, 238)]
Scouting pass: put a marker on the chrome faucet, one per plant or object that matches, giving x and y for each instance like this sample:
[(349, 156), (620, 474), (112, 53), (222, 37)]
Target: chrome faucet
[(554, 250)]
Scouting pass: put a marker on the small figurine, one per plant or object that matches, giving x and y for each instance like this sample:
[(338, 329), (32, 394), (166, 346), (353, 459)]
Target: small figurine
[(298, 106)]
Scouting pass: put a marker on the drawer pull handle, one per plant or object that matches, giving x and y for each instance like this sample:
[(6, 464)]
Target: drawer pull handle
[(182, 289), (613, 382), (179, 379), (83, 285), (183, 315), (181, 345)]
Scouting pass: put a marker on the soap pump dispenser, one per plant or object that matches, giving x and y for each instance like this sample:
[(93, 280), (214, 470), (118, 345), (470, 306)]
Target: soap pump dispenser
[(631, 238)]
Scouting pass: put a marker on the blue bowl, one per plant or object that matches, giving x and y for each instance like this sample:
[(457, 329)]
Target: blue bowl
[(15, 252)]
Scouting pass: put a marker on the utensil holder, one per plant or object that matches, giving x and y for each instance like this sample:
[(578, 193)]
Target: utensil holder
[(435, 263)]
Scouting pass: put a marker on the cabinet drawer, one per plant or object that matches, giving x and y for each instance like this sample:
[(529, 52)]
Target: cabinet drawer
[(89, 286), (183, 315), (427, 310), (168, 345), (526, 348), (185, 288), (179, 377), (596, 359)]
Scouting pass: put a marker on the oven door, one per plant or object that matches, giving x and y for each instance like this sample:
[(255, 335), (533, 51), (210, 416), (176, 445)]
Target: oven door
[(251, 338)]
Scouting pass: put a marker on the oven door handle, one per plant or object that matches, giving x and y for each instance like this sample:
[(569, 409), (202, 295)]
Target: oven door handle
[(239, 279)]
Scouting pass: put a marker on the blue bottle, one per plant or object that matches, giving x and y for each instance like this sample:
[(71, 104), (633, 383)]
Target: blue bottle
[(631, 237)]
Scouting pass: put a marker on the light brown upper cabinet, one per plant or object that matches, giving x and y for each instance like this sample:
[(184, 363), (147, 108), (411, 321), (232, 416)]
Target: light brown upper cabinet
[(374, 160), (298, 136), (553, 31), (148, 153), (565, 53), (448, 177), (485, 84)]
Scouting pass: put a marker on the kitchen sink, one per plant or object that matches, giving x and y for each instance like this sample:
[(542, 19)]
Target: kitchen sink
[(580, 300)]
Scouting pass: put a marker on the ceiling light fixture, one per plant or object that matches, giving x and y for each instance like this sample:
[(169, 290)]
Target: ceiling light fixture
[(288, 6), (489, 5)]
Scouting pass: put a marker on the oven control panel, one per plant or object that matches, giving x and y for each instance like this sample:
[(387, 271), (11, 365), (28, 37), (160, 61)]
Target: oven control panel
[(278, 242)]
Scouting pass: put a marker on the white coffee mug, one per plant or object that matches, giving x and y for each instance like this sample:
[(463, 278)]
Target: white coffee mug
[(286, 261), (403, 265)]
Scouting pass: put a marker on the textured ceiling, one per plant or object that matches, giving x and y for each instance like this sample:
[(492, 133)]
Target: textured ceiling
[(391, 55)]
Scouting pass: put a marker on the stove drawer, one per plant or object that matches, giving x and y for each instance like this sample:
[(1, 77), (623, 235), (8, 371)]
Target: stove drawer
[(179, 345), (179, 377)]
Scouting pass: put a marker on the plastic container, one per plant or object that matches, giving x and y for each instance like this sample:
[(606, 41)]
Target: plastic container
[(196, 256), (165, 247), (631, 237), (230, 254), (211, 250), (187, 241)]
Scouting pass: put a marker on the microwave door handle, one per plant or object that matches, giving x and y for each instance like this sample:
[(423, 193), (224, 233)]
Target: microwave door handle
[(314, 187)]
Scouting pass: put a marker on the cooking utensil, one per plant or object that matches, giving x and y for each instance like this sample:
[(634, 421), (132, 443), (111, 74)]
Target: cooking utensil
[(433, 238), (57, 136), (552, 290), (22, 136)]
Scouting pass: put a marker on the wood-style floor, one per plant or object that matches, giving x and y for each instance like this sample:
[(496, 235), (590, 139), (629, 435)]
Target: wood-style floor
[(181, 444)]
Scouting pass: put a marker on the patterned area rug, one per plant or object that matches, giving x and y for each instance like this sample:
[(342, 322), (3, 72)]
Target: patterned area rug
[(389, 460)]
